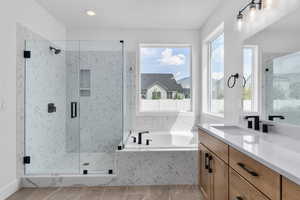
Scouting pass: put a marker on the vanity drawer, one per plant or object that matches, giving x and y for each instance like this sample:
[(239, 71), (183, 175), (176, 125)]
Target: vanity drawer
[(257, 174), (290, 190), (213, 144), (240, 189)]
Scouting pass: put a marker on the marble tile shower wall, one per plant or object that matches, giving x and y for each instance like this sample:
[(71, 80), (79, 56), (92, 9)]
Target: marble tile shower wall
[(99, 126), (72, 85), (101, 113)]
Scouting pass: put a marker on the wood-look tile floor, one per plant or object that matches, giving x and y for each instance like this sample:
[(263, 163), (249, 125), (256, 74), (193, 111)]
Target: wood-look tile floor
[(110, 193)]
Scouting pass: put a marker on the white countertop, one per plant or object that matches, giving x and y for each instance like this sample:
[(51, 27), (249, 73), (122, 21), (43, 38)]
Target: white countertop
[(276, 151)]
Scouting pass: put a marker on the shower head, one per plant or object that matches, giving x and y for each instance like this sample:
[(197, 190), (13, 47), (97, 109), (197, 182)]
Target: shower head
[(55, 50)]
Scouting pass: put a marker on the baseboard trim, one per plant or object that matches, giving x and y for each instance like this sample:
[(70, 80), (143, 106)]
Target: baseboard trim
[(9, 189)]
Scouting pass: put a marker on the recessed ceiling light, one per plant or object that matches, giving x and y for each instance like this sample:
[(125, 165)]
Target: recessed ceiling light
[(90, 13)]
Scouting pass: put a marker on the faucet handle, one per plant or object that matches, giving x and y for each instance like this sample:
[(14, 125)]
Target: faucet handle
[(134, 139), (265, 127), (148, 141)]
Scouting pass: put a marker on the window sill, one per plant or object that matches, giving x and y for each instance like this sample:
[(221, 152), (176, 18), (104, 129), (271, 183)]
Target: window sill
[(165, 114), (220, 116), (250, 113)]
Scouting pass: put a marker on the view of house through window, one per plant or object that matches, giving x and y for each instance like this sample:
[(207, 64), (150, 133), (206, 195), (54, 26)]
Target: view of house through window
[(165, 78), (216, 75)]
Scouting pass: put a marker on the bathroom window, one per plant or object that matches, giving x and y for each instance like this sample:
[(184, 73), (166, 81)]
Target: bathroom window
[(250, 72), (216, 75), (165, 78)]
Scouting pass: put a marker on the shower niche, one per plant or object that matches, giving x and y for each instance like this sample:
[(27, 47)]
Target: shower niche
[(84, 80)]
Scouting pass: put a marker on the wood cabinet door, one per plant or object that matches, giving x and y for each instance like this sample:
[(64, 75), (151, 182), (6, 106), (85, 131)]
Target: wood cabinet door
[(290, 190), (216, 146), (240, 189), (204, 175), (262, 177), (220, 179)]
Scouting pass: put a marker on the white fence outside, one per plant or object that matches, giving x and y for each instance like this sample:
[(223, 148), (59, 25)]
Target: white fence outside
[(165, 105)]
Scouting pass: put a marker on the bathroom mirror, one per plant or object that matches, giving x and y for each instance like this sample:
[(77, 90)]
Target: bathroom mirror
[(278, 70)]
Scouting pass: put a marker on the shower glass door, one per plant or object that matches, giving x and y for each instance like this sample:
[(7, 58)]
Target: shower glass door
[(51, 134), (101, 105), (73, 106)]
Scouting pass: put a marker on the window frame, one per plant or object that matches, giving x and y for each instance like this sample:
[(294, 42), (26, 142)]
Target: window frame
[(139, 112), (206, 72), (255, 77)]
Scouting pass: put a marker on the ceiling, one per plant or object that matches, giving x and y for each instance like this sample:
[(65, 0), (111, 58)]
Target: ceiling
[(152, 14)]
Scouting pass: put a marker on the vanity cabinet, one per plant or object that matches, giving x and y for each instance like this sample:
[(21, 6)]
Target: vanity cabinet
[(227, 174), (256, 174), (204, 175), (216, 146), (213, 174), (240, 189), (290, 190)]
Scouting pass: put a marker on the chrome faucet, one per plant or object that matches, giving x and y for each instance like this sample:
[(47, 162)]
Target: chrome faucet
[(140, 134)]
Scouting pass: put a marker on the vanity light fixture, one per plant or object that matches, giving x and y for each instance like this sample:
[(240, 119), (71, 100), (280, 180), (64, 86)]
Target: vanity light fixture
[(253, 6), (90, 13), (240, 18)]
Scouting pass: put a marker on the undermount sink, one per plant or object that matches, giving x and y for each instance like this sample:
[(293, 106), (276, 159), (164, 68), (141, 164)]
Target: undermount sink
[(234, 130)]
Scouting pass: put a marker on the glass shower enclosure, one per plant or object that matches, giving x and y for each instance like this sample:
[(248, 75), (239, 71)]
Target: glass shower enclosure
[(74, 106)]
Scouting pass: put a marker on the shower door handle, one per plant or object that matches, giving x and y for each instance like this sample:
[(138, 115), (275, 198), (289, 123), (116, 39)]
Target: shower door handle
[(74, 109)]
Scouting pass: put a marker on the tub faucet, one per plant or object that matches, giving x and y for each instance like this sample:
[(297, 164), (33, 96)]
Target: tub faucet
[(140, 134)]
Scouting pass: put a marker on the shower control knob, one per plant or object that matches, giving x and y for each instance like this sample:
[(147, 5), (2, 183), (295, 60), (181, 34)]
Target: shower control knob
[(134, 139), (148, 142)]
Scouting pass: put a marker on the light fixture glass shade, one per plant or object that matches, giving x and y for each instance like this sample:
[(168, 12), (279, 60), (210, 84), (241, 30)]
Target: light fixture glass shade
[(90, 13), (268, 3), (240, 18), (252, 7), (252, 12), (240, 24)]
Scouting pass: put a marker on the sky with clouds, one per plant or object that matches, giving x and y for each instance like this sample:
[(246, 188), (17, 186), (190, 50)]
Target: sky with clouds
[(166, 60), (248, 62), (217, 58)]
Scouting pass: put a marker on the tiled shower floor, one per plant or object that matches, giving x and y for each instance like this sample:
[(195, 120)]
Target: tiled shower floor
[(110, 193)]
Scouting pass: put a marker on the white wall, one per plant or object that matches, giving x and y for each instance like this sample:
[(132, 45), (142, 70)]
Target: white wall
[(134, 37), (30, 14), (272, 42), (233, 46)]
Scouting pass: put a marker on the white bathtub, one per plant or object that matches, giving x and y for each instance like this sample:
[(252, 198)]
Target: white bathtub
[(165, 141)]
